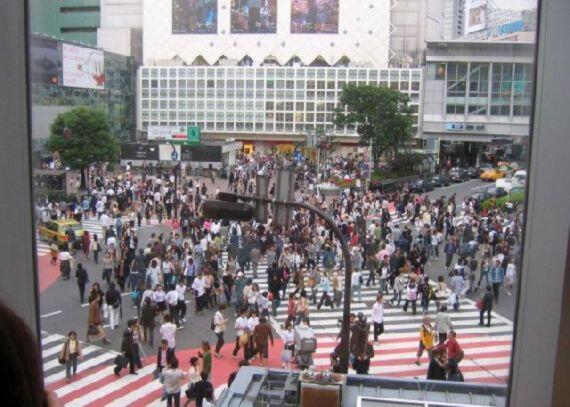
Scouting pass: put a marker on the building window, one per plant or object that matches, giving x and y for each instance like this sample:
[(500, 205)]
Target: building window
[(522, 90), (478, 89), (501, 89), (456, 87)]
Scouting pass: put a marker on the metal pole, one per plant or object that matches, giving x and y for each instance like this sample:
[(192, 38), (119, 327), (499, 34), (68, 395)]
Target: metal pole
[(344, 353), (175, 195)]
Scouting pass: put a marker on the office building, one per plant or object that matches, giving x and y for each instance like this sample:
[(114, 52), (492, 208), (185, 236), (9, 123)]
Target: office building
[(69, 20), (477, 98)]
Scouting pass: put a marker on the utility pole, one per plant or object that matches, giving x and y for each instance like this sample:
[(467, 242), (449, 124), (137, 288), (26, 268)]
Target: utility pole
[(229, 208)]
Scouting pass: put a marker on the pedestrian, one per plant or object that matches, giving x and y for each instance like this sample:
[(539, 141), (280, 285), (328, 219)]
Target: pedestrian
[(138, 337), (204, 390), (172, 300), (113, 301), (254, 256), (206, 355), (361, 362), (496, 277), (442, 324), (242, 338), (378, 318), (398, 289), (86, 244), (163, 357), (457, 286), (427, 293), (199, 293), (54, 251), (159, 298), (437, 367), (454, 352), (219, 324), (485, 304), (193, 378), (181, 289), (510, 277), (288, 337), (426, 339), (411, 296), (95, 327), (173, 378), (108, 265), (148, 315), (95, 248), (326, 288), (168, 332), (82, 279), (65, 263), (356, 284), (261, 336), (70, 352), (127, 351)]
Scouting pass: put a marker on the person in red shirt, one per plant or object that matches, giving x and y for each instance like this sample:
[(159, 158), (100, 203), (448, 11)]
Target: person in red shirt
[(454, 351)]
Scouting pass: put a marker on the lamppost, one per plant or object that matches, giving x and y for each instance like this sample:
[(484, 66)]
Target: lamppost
[(174, 157)]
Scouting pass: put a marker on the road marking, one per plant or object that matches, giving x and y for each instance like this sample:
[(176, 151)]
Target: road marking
[(50, 314), (81, 367), (51, 338)]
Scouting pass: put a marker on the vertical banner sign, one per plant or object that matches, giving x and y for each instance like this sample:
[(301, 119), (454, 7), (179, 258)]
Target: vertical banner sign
[(193, 135)]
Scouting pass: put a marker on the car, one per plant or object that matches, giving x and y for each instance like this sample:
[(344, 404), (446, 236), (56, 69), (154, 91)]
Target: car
[(492, 175), (439, 181), (494, 192), (421, 185), (57, 229), (480, 196), (458, 176), (473, 172)]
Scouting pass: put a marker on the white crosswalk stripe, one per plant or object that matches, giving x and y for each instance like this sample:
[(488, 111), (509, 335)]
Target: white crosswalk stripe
[(487, 349)]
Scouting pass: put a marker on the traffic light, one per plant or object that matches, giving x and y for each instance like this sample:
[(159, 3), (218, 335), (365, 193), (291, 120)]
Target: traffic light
[(261, 211), (227, 210)]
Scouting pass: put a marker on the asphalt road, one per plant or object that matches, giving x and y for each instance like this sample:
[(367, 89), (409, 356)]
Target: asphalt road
[(61, 309)]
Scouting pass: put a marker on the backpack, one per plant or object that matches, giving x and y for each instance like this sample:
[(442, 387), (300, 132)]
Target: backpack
[(134, 296)]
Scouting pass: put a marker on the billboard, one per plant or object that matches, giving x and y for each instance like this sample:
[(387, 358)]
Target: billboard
[(168, 133), (475, 11), (44, 61), (194, 16), (204, 154), (314, 16), (83, 67), (254, 16), (137, 151)]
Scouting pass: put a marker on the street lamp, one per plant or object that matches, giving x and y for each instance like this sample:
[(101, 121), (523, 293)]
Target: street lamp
[(174, 157)]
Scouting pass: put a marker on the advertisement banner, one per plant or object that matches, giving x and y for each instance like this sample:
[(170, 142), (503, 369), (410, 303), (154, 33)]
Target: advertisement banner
[(44, 61), (194, 16), (254, 16), (168, 133), (314, 16), (83, 67), (475, 11), (136, 151), (202, 154)]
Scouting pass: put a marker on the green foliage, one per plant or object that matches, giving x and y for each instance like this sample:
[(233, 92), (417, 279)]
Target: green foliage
[(89, 139), (380, 114), (516, 198)]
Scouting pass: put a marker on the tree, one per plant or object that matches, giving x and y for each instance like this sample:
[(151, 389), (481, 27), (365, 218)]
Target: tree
[(382, 117), (82, 137)]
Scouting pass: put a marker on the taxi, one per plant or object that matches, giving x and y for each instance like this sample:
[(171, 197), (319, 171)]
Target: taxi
[(57, 228), (492, 174)]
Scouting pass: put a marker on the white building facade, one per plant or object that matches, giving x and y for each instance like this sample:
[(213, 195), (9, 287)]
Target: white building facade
[(260, 106)]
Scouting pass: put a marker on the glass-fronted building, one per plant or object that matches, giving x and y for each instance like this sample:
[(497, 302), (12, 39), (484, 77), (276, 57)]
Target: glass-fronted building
[(259, 105), (474, 93), (52, 95)]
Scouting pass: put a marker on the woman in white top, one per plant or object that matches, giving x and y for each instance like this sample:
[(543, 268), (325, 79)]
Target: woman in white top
[(288, 337), (159, 298), (193, 378), (219, 328), (252, 322), (181, 288), (241, 328), (252, 297), (173, 378)]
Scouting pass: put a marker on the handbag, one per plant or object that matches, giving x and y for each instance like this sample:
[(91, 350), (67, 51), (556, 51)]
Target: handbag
[(244, 339), (155, 374), (479, 304), (286, 355), (61, 356), (92, 330), (191, 391)]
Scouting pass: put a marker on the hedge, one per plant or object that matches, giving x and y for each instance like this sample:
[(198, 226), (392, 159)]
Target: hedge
[(516, 198)]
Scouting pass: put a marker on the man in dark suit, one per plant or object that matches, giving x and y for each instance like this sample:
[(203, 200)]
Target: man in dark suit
[(165, 354)]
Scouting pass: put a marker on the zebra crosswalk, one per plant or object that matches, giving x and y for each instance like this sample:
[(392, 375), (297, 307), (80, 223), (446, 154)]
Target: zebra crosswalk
[(487, 349)]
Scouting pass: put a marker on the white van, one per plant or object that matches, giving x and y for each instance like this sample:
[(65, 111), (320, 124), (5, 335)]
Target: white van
[(517, 180)]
